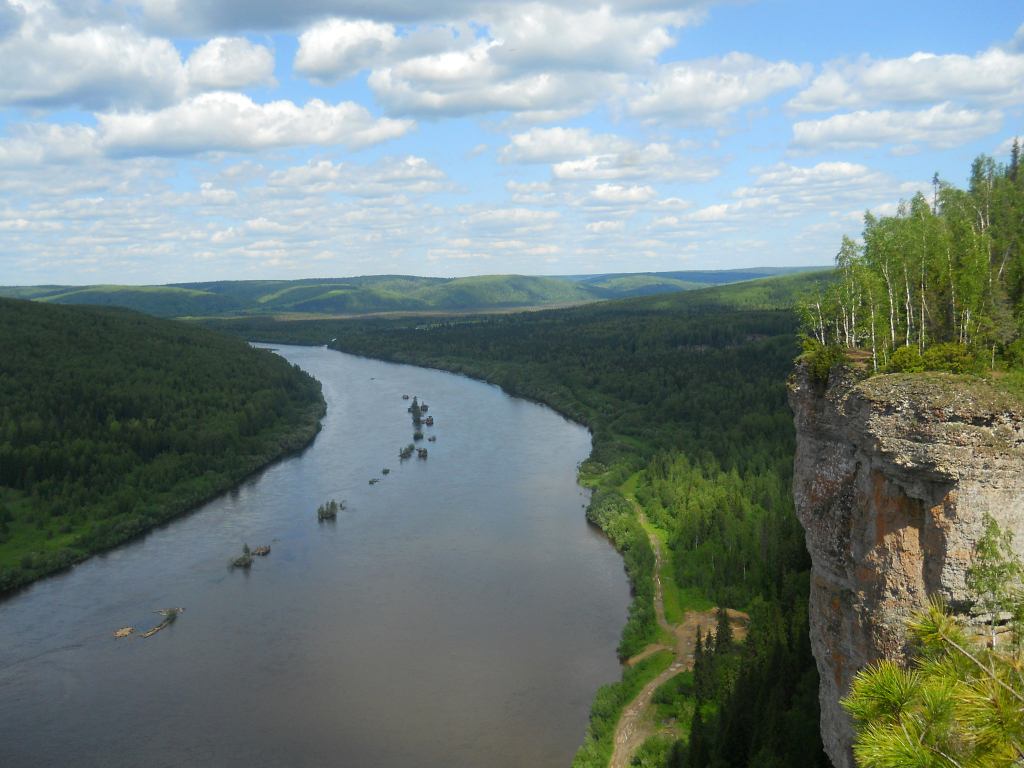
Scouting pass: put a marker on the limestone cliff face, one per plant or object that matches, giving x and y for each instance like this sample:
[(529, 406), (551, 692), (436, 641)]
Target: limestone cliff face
[(892, 478)]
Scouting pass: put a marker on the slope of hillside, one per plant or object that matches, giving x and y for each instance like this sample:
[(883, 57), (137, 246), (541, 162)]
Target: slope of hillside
[(113, 421), (374, 294), (772, 293)]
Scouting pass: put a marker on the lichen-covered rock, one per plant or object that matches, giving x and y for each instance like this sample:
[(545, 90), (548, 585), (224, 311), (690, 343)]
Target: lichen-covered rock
[(892, 478)]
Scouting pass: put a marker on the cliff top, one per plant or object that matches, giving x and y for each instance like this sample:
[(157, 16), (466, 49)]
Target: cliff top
[(982, 413)]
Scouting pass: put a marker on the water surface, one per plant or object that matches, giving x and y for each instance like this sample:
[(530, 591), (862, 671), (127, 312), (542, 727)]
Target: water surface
[(460, 613)]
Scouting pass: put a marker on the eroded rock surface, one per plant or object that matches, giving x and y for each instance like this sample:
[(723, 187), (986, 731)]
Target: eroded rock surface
[(892, 478)]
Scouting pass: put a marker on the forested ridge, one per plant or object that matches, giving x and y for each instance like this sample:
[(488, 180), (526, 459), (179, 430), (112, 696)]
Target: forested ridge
[(112, 421), (686, 398), (371, 294)]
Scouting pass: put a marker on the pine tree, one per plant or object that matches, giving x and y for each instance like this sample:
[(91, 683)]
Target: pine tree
[(723, 632), (698, 745), (699, 682)]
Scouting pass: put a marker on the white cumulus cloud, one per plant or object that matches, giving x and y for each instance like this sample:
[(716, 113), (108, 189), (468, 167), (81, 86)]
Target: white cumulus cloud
[(235, 123), (707, 92), (227, 63), (655, 162), (336, 49), (992, 78), (615, 194), (91, 68), (546, 145), (943, 126)]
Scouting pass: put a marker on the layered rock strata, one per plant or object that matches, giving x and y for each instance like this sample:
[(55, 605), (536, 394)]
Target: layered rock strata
[(892, 478)]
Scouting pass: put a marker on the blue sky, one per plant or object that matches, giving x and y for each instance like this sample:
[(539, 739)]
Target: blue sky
[(154, 141)]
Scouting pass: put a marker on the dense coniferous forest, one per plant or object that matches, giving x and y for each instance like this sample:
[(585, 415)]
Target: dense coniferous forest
[(939, 285), (112, 421), (686, 398)]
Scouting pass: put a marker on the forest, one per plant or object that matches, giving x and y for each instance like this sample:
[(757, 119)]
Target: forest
[(374, 294), (685, 395), (937, 286), (112, 422)]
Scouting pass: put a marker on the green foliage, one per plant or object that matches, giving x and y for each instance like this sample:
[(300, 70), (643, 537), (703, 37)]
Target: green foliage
[(733, 536), (960, 705), (607, 707), (723, 632), (995, 573), (329, 511), (614, 514), (944, 272), (654, 752), (905, 360), (246, 558), (820, 360), (949, 358), (111, 422)]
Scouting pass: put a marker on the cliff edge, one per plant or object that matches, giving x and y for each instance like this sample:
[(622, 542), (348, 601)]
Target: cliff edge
[(892, 478)]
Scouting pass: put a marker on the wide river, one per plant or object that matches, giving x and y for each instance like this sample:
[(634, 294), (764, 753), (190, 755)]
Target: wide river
[(461, 612)]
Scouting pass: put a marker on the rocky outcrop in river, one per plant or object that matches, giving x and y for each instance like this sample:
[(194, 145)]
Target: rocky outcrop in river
[(892, 478)]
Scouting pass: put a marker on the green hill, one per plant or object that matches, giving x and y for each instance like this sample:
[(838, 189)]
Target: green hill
[(766, 294), (378, 294), (162, 301), (113, 421)]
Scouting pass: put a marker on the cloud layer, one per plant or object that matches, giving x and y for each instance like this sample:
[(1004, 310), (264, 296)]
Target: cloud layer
[(184, 138)]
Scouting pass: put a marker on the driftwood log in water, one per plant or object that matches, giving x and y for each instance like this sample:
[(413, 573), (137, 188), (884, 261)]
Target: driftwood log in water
[(169, 614), (265, 550), (124, 632)]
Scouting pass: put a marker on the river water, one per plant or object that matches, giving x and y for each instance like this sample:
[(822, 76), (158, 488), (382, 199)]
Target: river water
[(459, 613)]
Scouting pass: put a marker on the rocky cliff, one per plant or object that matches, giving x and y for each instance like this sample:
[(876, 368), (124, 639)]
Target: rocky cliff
[(892, 478)]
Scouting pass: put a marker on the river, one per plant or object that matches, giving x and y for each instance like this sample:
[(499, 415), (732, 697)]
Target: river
[(461, 612)]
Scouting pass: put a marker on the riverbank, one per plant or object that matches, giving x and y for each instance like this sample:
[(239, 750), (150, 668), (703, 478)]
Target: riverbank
[(22, 565)]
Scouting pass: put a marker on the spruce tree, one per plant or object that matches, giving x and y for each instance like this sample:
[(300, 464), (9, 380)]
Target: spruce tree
[(723, 632), (698, 747)]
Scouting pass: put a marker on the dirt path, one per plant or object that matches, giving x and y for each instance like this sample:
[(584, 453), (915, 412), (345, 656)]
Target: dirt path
[(636, 723)]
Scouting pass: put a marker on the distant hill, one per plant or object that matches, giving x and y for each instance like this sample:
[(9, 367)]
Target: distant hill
[(625, 284), (377, 294), (766, 294)]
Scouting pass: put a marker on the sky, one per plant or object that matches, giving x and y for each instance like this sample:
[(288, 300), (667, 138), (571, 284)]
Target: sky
[(159, 141)]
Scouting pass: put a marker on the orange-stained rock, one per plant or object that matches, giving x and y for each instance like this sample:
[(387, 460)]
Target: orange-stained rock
[(892, 478)]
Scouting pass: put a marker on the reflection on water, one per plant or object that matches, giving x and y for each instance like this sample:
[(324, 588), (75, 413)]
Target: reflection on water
[(458, 613)]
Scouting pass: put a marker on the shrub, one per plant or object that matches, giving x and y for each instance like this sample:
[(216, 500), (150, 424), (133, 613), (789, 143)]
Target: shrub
[(821, 360), (905, 360), (1014, 354), (951, 358)]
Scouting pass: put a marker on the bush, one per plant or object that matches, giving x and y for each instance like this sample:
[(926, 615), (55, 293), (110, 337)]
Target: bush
[(821, 360), (951, 358), (905, 360), (1014, 354)]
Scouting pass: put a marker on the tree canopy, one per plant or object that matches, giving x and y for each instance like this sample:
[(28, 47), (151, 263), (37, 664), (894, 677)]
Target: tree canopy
[(944, 270), (111, 421)]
